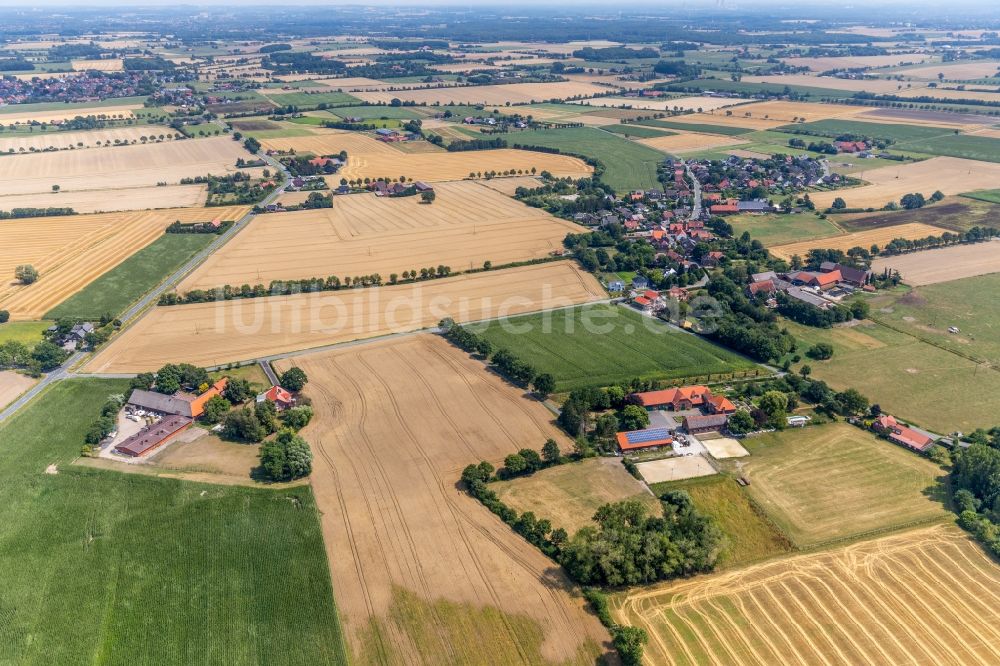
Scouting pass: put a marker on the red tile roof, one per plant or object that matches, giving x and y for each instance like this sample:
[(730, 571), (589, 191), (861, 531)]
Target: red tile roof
[(696, 395), (625, 445)]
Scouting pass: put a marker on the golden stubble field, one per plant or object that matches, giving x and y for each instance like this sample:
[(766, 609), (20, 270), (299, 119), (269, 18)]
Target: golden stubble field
[(363, 234), (686, 142), (422, 573), (121, 167), (111, 200), (944, 264), (368, 158), (697, 103), (850, 85), (865, 239), (21, 117), (12, 385), (892, 600), (71, 251), (789, 112), (515, 93), (210, 334), (85, 139), (950, 175)]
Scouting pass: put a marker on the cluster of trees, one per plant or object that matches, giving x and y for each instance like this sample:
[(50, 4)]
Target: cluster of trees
[(286, 457), (104, 424), (810, 315), (26, 274), (178, 227), (45, 355), (589, 196), (20, 213), (628, 641), (744, 325), (173, 377), (476, 144), (505, 362), (975, 481), (678, 68), (611, 53), (774, 399), (824, 147), (301, 166)]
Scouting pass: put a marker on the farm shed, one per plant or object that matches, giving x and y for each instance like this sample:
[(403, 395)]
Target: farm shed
[(640, 440), (153, 436), (708, 423)]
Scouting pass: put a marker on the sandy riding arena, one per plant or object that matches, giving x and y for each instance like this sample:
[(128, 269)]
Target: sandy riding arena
[(515, 93), (422, 573), (210, 334), (865, 239), (951, 175), (869, 603), (72, 250), (114, 168), (675, 469), (944, 264), (362, 234)]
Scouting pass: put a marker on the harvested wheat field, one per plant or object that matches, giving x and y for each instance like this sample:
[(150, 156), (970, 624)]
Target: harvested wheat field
[(691, 141), (12, 385), (950, 175), (22, 117), (111, 200), (730, 118), (115, 168), (509, 185), (952, 94), (944, 264), (211, 334), (329, 142), (887, 601), (825, 64), (102, 65), (424, 574), (685, 103), (955, 71), (71, 251), (789, 112), (362, 234), (515, 93), (76, 140), (849, 85), (436, 167), (865, 239)]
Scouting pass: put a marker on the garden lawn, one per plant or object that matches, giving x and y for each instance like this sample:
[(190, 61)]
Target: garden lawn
[(621, 345), (127, 282), (106, 567), (629, 165)]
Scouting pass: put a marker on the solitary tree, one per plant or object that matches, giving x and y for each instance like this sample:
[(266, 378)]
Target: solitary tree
[(55, 188), (26, 273), (550, 451), (428, 196), (294, 379)]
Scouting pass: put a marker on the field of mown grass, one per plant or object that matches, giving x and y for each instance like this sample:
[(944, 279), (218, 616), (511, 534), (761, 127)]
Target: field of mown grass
[(376, 111), (836, 481), (629, 165), (750, 534), (303, 99), (124, 284), (28, 332), (834, 127), (726, 130), (989, 196), (629, 345), (780, 229), (639, 131), (129, 569), (967, 146)]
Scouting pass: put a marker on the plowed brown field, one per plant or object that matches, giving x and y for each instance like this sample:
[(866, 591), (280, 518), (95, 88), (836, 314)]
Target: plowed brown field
[(424, 574), (210, 334), (362, 234), (887, 601), (71, 251)]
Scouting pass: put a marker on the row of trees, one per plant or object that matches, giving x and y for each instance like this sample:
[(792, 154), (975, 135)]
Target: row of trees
[(505, 362)]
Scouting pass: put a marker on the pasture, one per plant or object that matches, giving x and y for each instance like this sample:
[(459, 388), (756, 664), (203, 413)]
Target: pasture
[(225, 564), (779, 229), (118, 167), (836, 481), (362, 234), (865, 239), (943, 264), (705, 128), (628, 165), (750, 535), (602, 344), (856, 604), (964, 146), (448, 581), (71, 251), (569, 495), (211, 334), (114, 291), (514, 93)]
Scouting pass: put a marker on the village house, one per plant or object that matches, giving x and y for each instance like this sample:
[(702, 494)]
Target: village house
[(281, 398)]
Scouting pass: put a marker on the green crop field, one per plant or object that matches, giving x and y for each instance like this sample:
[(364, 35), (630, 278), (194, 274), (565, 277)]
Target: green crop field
[(303, 99), (116, 568), (966, 146), (989, 196), (628, 345), (697, 127), (833, 128), (906, 376), (636, 131), (124, 284), (836, 481), (750, 534), (377, 112), (748, 88), (629, 165), (779, 229)]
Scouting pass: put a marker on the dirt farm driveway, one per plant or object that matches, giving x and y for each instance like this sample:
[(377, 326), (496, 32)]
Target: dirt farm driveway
[(421, 572)]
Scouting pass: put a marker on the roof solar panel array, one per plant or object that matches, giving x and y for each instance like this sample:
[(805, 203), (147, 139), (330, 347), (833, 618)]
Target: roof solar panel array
[(641, 436)]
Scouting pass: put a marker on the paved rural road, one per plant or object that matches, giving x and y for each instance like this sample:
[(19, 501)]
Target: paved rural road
[(59, 373), (696, 188)]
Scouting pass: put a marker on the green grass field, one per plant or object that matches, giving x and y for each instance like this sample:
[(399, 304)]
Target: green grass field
[(745, 87), (965, 146), (124, 284), (637, 131), (623, 345), (697, 127), (630, 165), (907, 377), (115, 568), (311, 100), (377, 112), (778, 229), (750, 534), (833, 127), (28, 332), (989, 196), (836, 481)]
